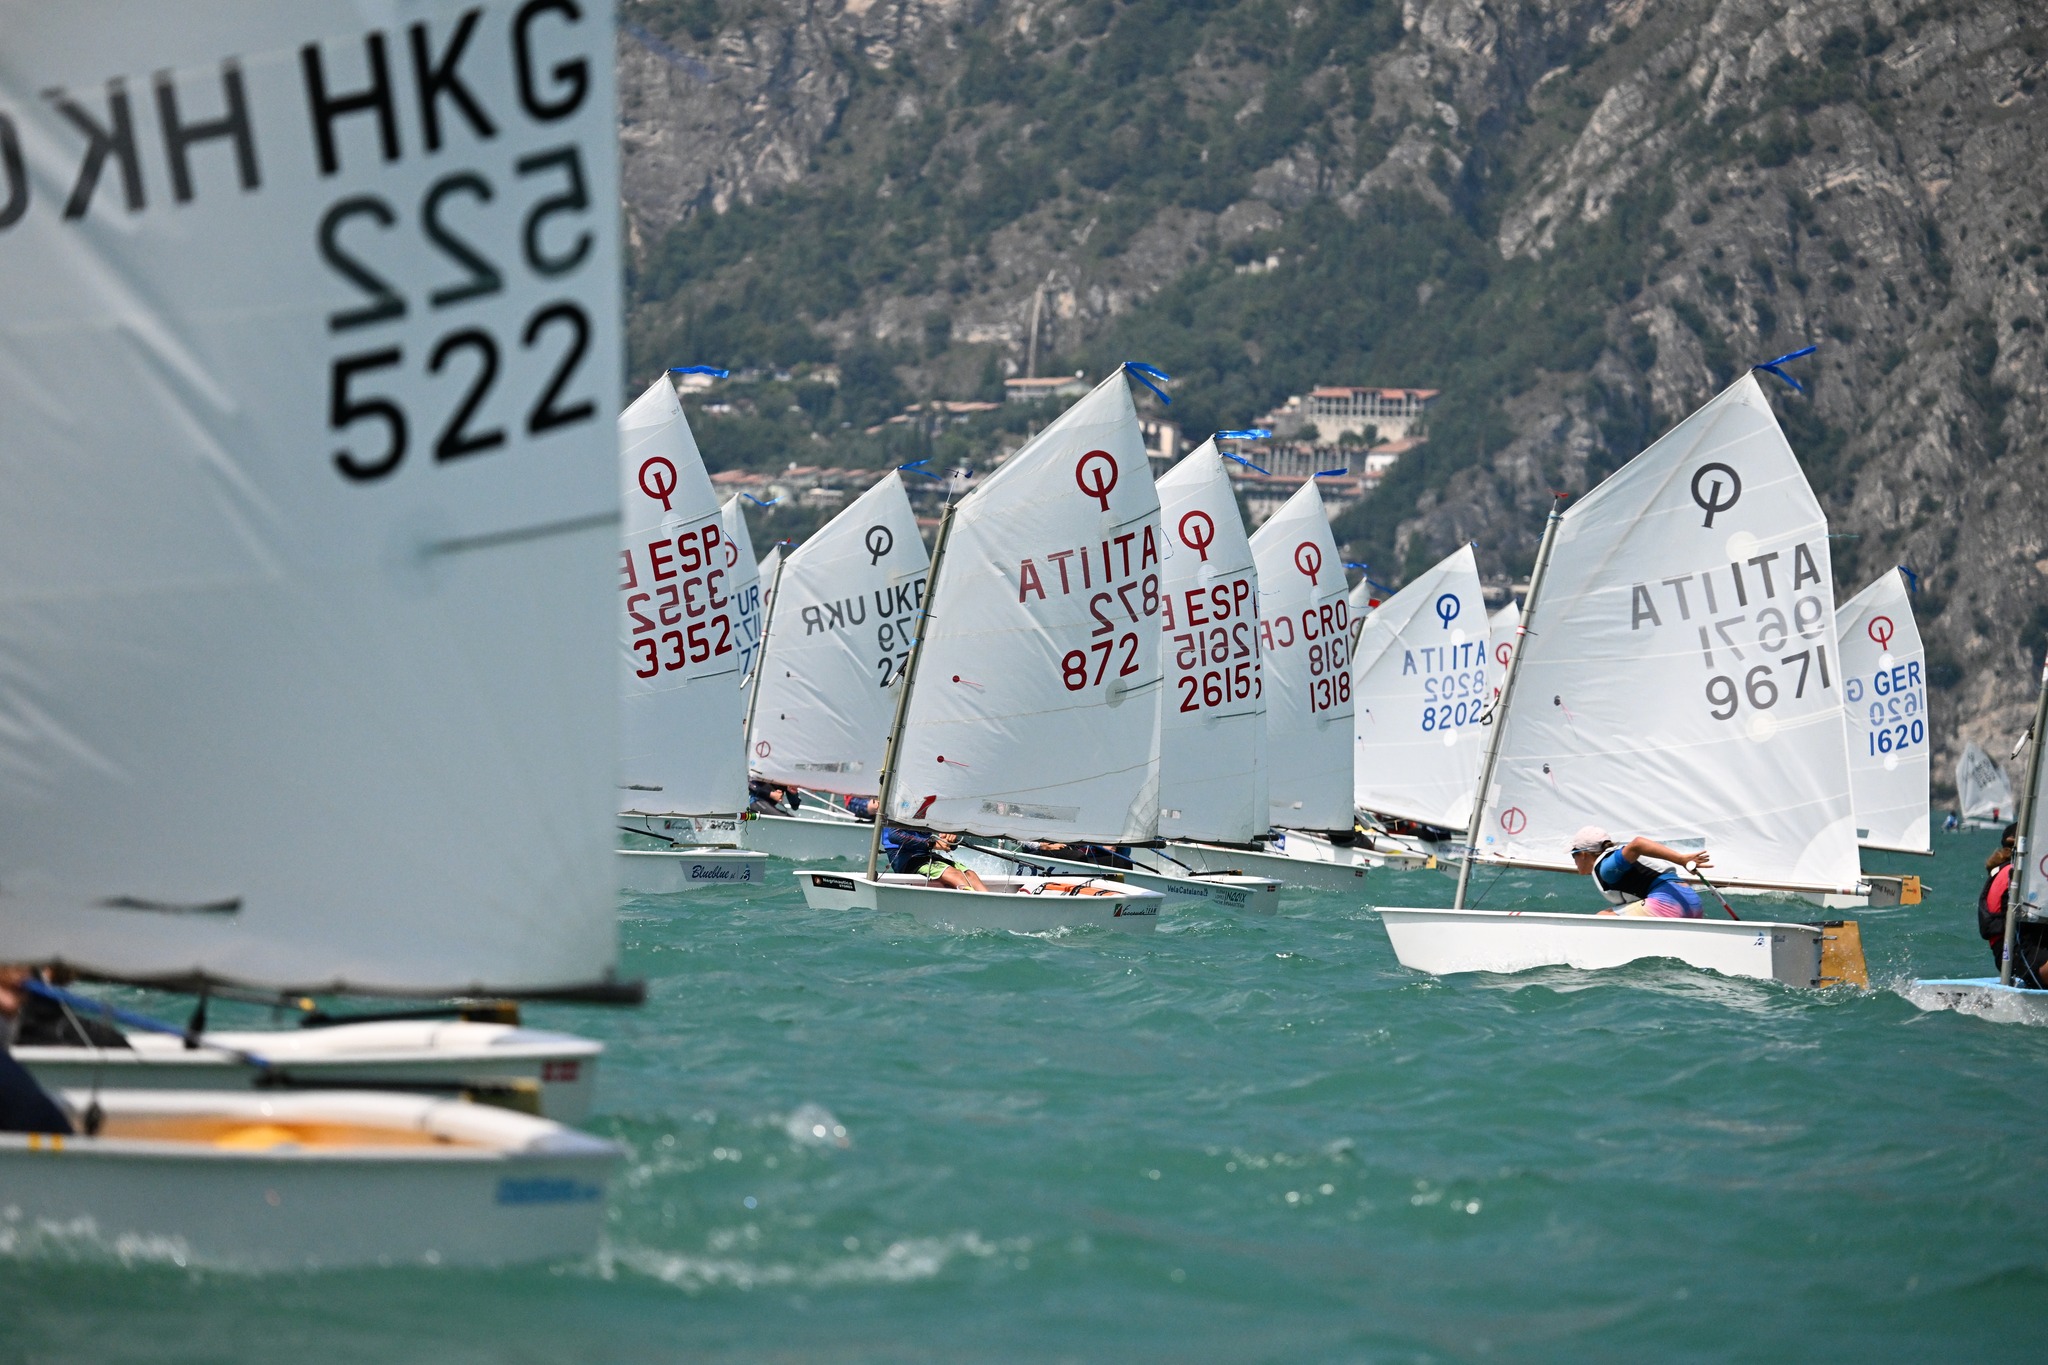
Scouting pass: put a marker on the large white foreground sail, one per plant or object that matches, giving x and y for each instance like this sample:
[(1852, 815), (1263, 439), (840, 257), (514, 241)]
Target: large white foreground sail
[(743, 585), (849, 609), (1683, 681), (306, 548), (1421, 682), (1305, 629), (1884, 684), (1036, 710), (680, 644), (1983, 791), (1212, 732)]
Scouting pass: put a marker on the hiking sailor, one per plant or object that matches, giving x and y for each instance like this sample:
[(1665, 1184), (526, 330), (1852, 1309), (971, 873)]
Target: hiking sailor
[(923, 853), (1631, 885)]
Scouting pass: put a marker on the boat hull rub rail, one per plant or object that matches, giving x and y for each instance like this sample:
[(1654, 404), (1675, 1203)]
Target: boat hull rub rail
[(806, 838), (1446, 942), (1012, 904)]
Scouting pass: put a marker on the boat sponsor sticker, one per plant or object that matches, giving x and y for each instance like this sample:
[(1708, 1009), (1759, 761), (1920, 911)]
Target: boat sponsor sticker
[(825, 883)]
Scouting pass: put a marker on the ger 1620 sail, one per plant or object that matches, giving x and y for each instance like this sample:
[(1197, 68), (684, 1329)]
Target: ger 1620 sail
[(682, 774), (1884, 687), (306, 551), (1678, 678), (1030, 702)]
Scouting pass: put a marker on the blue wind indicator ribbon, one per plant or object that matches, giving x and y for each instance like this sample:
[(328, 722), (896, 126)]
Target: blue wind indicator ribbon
[(1367, 576), (1912, 579), (1246, 463), (1244, 434), (711, 370), (1326, 473), (1138, 369), (758, 503), (1772, 365), (912, 468)]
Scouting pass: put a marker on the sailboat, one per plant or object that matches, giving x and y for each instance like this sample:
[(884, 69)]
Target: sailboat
[(1305, 641), (1884, 690), (1029, 705), (1212, 729), (1678, 678), (1983, 792), (303, 671), (849, 599), (1422, 683), (683, 776), (2003, 998)]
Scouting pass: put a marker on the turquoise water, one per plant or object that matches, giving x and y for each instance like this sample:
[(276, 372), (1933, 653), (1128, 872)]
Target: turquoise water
[(1232, 1140)]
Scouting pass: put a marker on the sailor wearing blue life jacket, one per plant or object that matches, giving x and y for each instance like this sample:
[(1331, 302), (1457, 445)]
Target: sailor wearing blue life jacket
[(1631, 885), (922, 853)]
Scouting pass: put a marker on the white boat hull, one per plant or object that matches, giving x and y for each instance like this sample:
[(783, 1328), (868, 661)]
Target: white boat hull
[(695, 831), (305, 1180), (807, 838), (1290, 868), (554, 1073), (1022, 905), (1447, 942), (1215, 890), (665, 871), (1983, 997)]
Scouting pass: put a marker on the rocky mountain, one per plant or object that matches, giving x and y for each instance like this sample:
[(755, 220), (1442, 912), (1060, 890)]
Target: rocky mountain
[(1578, 218)]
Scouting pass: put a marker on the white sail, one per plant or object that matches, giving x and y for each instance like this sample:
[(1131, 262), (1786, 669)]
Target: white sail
[(1680, 678), (309, 524), (743, 585), (770, 562), (1420, 683), (1305, 630), (1036, 706), (1982, 788), (1212, 728), (1500, 633), (850, 598), (682, 751), (1884, 687)]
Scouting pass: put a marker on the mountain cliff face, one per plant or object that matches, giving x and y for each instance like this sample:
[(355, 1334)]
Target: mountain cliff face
[(1579, 218)]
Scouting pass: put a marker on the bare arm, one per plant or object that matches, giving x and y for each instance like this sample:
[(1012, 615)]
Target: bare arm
[(1640, 848)]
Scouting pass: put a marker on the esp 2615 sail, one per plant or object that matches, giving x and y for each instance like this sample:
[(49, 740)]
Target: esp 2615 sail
[(1036, 704), (309, 512), (1212, 730)]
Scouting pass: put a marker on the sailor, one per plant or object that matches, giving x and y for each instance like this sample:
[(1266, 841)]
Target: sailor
[(1101, 855), (861, 807), (1630, 884), (2032, 941), (923, 853), (769, 798)]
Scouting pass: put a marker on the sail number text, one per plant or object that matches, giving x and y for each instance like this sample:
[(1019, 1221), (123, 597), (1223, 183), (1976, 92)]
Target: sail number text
[(1216, 656)]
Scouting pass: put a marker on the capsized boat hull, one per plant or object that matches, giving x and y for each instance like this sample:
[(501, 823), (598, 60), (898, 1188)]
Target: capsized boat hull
[(1982, 997), (664, 871), (807, 838), (1215, 890), (305, 1180), (1447, 942), (1024, 905), (554, 1074)]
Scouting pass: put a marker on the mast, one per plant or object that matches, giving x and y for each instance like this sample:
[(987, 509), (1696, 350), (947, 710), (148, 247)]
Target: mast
[(2029, 796), (931, 588), (1507, 693), (761, 659)]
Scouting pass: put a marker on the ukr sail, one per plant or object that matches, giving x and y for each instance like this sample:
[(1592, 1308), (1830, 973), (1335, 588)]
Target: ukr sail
[(1421, 683), (1681, 678), (1884, 685), (1036, 709), (1212, 730), (309, 526), (680, 646), (850, 601), (1305, 632)]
